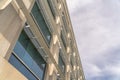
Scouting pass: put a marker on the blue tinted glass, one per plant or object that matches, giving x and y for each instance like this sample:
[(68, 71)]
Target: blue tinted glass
[(19, 49), (27, 59), (18, 65), (26, 51)]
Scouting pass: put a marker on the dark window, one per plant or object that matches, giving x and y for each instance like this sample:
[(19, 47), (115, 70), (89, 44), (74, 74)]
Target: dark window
[(29, 55), (61, 63), (51, 8), (39, 19), (71, 60), (19, 66), (71, 76), (63, 39), (65, 23)]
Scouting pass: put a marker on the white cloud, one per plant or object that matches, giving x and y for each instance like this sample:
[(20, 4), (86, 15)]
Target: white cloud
[(92, 70), (112, 69), (97, 29), (73, 4)]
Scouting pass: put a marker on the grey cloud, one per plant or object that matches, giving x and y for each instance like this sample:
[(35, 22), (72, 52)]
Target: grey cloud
[(97, 30)]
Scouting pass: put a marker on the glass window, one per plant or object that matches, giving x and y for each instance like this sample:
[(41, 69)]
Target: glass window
[(18, 65), (71, 75), (63, 39), (38, 17), (71, 60), (51, 8), (29, 55), (61, 63), (65, 23)]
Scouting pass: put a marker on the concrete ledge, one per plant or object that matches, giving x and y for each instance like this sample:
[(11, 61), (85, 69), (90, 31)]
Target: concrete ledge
[(4, 3)]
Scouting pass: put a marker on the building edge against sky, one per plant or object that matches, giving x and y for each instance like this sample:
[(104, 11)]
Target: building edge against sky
[(37, 41)]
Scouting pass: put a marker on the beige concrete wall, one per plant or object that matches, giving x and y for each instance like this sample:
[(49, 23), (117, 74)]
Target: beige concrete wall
[(4, 3), (28, 3), (54, 48), (10, 27)]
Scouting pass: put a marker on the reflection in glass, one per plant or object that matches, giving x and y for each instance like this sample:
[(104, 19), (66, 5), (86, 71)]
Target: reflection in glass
[(38, 17), (28, 54), (19, 66)]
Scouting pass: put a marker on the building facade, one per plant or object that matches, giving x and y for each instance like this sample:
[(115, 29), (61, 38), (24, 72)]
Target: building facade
[(37, 41)]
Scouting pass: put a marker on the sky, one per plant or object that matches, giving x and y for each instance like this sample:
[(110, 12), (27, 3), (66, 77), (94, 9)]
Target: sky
[(96, 24)]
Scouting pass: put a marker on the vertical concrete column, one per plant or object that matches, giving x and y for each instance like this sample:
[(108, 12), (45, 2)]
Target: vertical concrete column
[(10, 27)]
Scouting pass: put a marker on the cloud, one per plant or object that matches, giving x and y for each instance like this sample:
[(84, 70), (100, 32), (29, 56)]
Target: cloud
[(96, 25), (74, 4), (108, 65)]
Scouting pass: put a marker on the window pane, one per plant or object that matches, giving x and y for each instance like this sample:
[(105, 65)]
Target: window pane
[(61, 63), (19, 66), (41, 22), (26, 51), (65, 23), (51, 8), (63, 40)]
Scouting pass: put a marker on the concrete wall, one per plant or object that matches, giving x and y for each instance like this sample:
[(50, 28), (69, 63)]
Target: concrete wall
[(10, 27)]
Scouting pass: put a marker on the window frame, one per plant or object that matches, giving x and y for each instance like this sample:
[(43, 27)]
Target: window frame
[(14, 54), (60, 66), (38, 26), (24, 64)]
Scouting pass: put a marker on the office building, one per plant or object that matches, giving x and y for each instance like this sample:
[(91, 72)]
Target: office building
[(37, 41)]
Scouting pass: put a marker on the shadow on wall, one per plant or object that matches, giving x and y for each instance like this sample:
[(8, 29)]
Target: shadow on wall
[(10, 27)]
